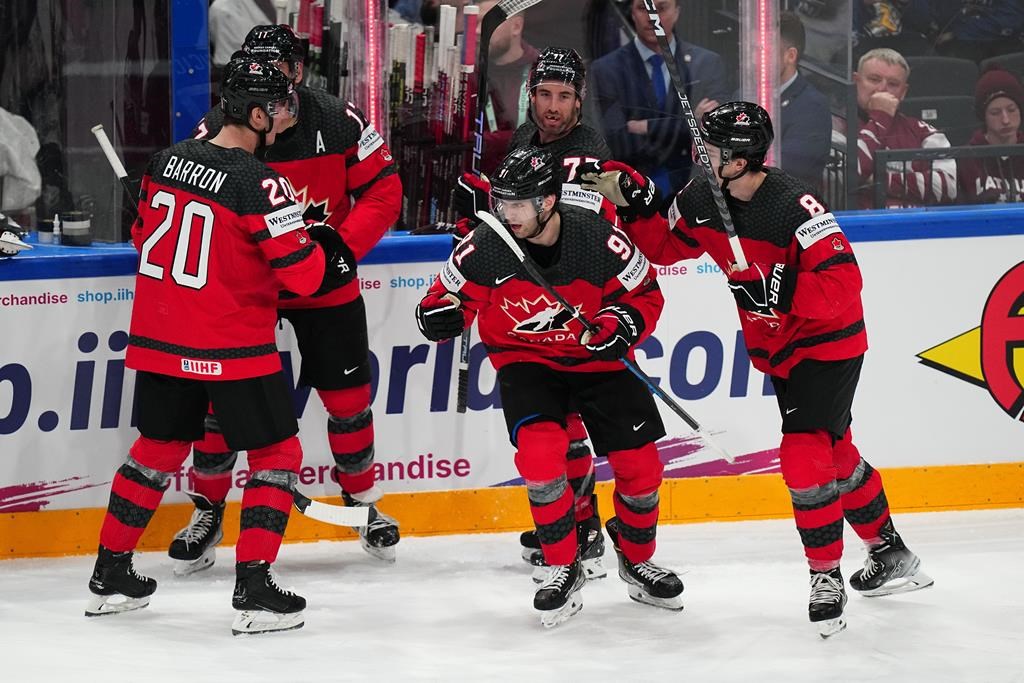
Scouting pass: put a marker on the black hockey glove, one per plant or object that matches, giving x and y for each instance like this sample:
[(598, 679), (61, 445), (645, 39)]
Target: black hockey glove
[(471, 194), (631, 191), (764, 289), (440, 316), (619, 327), (340, 268)]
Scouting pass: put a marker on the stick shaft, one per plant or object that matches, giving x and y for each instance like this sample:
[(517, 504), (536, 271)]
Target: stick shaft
[(697, 137)]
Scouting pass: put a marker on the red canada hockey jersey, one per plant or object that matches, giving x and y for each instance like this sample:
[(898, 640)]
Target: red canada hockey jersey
[(784, 222), (218, 238), (581, 145), (519, 321), (333, 156)]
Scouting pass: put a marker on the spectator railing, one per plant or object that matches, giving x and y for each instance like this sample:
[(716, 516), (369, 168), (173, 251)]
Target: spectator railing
[(885, 157)]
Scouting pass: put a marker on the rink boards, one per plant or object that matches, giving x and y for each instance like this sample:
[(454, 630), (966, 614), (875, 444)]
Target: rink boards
[(937, 410)]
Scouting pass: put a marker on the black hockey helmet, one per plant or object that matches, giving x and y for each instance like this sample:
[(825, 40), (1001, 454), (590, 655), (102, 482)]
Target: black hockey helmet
[(276, 43), (559, 65), (742, 130), (527, 173), (249, 83)]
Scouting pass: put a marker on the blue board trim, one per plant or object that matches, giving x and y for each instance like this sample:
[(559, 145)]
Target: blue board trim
[(53, 262)]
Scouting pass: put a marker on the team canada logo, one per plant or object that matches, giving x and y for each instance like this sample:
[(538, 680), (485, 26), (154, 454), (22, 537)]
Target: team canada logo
[(255, 68), (539, 319), (742, 119), (536, 162), (837, 244)]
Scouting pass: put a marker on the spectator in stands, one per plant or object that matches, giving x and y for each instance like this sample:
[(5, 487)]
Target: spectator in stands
[(998, 97), (882, 79), (805, 117), (230, 21), (639, 110), (978, 29), (508, 101)]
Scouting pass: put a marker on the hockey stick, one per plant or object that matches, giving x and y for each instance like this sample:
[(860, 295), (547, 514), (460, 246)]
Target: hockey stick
[(494, 18), (695, 134), (531, 268), (338, 515), (112, 159), (330, 514)]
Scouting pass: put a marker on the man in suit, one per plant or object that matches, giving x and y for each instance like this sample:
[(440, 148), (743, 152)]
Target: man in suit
[(640, 112), (805, 116)]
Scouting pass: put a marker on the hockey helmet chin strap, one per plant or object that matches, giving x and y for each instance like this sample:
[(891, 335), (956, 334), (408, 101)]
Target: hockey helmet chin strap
[(261, 133), (726, 157)]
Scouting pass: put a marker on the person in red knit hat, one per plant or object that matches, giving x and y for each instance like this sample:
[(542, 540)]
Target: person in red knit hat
[(998, 98)]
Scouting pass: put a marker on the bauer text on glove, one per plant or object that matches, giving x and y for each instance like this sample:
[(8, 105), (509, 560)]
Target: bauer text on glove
[(763, 288), (340, 268), (618, 328), (633, 193)]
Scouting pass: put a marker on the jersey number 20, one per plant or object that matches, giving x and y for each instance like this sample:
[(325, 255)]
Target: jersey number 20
[(187, 226)]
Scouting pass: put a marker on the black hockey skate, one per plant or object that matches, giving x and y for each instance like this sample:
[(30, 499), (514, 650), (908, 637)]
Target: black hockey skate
[(558, 596), (591, 550), (262, 605), (591, 542), (116, 585), (890, 568), (380, 536), (828, 598), (195, 547), (646, 582)]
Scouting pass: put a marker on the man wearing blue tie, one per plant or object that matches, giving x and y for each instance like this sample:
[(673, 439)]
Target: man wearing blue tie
[(640, 111)]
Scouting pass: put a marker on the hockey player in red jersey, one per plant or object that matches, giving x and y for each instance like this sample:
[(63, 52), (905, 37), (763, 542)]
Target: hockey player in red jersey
[(344, 176), (548, 367), (218, 236), (557, 84), (800, 310)]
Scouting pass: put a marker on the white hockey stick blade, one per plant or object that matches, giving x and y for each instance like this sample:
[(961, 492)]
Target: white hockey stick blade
[(710, 442), (338, 515), (11, 244)]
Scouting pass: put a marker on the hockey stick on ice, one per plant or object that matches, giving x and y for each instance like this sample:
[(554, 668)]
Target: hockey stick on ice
[(330, 514), (337, 515), (494, 18), (695, 134), (531, 268)]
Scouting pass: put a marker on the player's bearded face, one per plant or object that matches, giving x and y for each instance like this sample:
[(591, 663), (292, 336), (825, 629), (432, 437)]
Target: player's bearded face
[(555, 108)]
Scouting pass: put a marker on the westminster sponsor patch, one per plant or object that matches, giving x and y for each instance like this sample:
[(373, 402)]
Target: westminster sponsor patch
[(284, 220), (817, 228), (585, 199), (370, 141), (452, 279)]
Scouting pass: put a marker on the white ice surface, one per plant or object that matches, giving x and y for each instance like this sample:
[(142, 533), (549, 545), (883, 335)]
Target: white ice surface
[(460, 608)]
